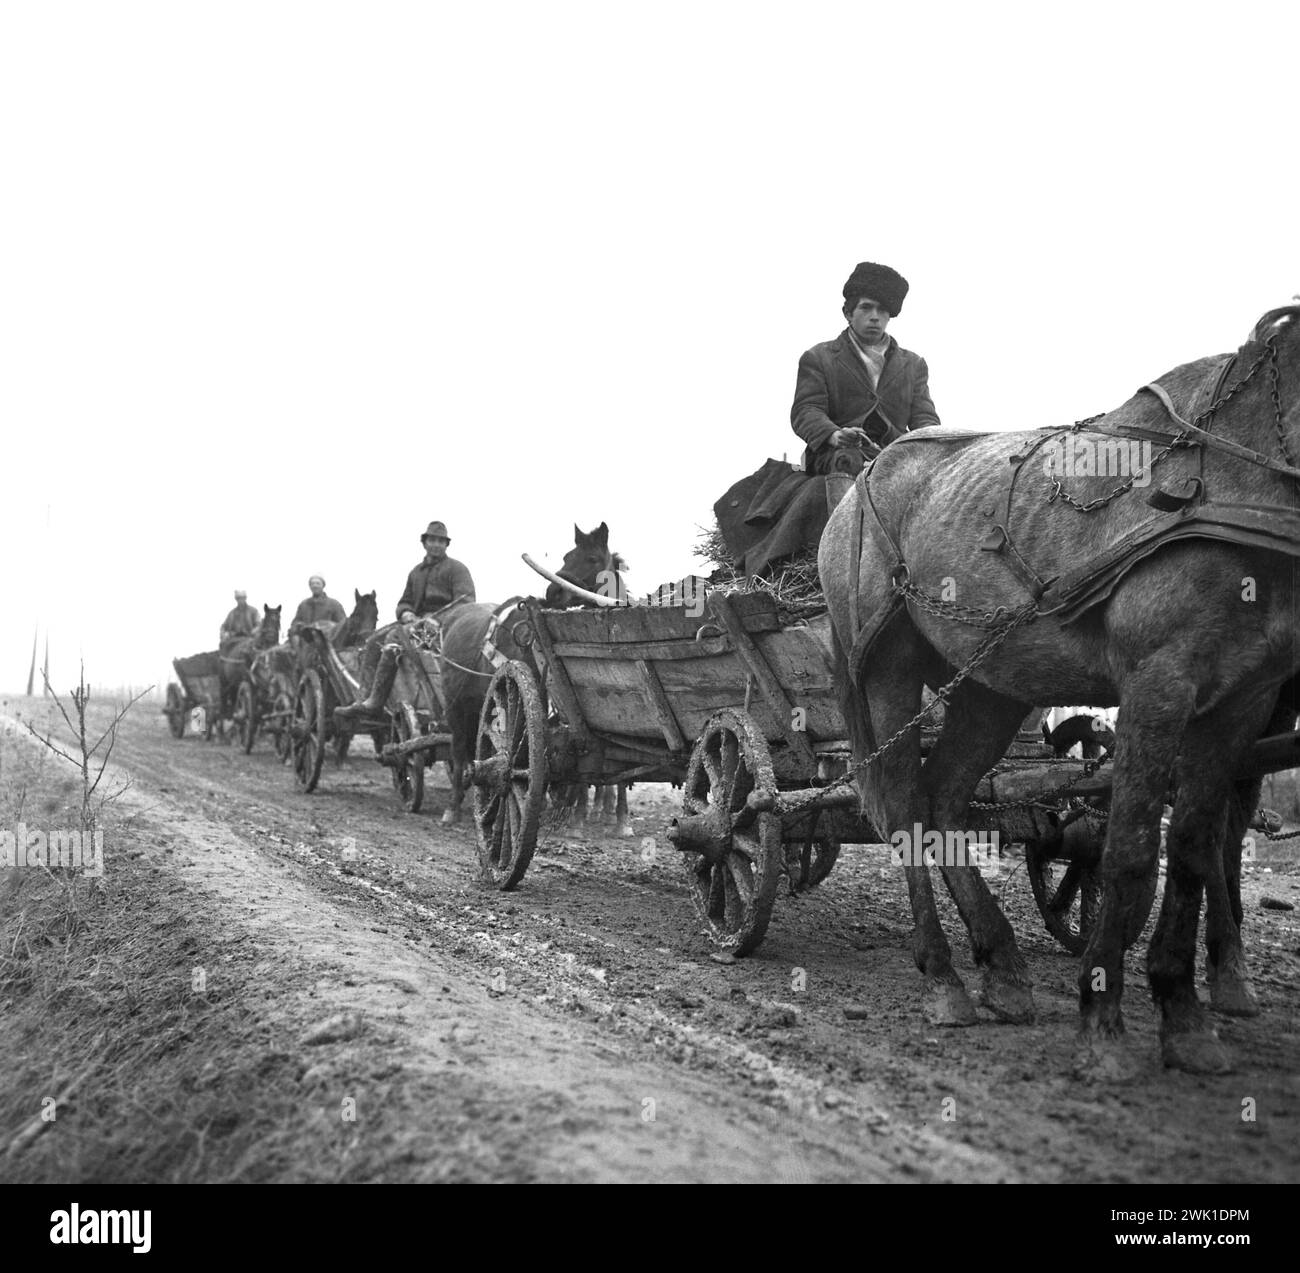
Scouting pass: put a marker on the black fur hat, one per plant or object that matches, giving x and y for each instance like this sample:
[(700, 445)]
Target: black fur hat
[(880, 283)]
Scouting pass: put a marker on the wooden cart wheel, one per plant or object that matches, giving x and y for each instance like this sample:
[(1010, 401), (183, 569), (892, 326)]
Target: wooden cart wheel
[(308, 731), (408, 772), (246, 715), (175, 711), (732, 847), (509, 774), (1065, 876), (283, 708)]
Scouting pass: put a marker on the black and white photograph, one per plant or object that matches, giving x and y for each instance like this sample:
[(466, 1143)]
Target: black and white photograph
[(680, 594)]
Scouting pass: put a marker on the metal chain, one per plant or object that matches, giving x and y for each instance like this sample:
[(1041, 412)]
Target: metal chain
[(1090, 767), (1057, 491), (986, 647), (941, 609)]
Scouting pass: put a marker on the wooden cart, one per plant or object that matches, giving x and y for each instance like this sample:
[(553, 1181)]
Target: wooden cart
[(739, 710), (408, 732), (200, 686)]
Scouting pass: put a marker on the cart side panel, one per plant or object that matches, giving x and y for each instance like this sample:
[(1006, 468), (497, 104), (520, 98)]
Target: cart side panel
[(697, 678)]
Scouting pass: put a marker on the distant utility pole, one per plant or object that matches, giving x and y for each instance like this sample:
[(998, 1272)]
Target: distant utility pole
[(45, 667), (31, 673)]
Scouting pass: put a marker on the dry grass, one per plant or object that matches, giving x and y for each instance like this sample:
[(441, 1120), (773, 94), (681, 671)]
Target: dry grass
[(794, 587)]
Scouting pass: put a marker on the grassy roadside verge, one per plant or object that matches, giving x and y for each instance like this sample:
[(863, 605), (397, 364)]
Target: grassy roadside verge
[(144, 1036)]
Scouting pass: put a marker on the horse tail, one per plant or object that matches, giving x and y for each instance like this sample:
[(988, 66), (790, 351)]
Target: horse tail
[(853, 708)]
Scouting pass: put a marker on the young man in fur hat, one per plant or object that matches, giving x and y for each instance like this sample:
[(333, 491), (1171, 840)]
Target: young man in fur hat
[(860, 391)]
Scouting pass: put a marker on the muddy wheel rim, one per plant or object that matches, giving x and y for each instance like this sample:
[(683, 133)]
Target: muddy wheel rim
[(509, 784), (734, 882)]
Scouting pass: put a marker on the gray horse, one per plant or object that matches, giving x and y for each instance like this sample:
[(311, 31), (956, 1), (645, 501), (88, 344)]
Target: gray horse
[(1142, 559)]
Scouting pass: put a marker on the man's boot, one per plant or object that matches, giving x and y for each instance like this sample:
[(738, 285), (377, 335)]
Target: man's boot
[(385, 675)]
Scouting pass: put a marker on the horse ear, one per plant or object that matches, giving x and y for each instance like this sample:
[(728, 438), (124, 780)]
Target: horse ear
[(578, 536), (601, 533), (356, 592)]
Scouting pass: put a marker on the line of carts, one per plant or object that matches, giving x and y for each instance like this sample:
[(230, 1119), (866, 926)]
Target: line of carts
[(722, 700)]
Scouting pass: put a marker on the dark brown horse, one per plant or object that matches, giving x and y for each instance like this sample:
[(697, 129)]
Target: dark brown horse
[(591, 565), (1041, 569), (359, 624), (594, 567), (236, 660)]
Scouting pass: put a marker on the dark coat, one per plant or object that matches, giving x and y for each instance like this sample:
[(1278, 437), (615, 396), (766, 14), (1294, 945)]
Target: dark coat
[(242, 621), (833, 391), (432, 587), (322, 609)]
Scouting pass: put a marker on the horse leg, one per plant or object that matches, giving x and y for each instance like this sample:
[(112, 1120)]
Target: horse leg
[(622, 826), (1203, 813), (464, 724), (978, 727), (1225, 960), (894, 800), (1158, 699)]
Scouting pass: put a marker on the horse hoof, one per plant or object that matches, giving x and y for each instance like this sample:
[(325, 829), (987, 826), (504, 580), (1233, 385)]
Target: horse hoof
[(1233, 997), (1106, 1061), (626, 831), (1195, 1053), (947, 1004), (448, 818), (1009, 1001)]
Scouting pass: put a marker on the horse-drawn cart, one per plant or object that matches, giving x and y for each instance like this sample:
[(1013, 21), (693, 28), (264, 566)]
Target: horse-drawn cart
[(407, 732), (740, 710), (200, 686)]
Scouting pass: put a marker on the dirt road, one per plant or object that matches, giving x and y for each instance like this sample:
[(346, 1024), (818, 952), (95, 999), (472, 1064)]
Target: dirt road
[(579, 1029)]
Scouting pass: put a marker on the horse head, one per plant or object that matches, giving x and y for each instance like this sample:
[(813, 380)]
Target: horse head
[(591, 565), (359, 624), (269, 632)]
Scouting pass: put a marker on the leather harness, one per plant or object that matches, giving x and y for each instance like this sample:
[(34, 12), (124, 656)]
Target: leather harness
[(1183, 510)]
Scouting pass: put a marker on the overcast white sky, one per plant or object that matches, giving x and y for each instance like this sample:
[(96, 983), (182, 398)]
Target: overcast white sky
[(281, 282)]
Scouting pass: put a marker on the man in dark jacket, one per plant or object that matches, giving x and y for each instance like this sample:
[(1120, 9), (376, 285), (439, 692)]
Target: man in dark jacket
[(436, 585), (437, 581), (242, 621), (318, 608), (860, 391)]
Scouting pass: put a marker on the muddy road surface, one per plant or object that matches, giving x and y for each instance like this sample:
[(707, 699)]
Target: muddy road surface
[(580, 1029)]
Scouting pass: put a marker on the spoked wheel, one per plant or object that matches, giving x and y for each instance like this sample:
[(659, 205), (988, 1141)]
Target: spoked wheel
[(283, 709), (730, 840), (308, 731), (246, 715), (509, 775), (809, 862), (175, 711), (1065, 875), (408, 772)]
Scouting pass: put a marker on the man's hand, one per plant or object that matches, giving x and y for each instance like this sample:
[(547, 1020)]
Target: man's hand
[(850, 437), (407, 616)]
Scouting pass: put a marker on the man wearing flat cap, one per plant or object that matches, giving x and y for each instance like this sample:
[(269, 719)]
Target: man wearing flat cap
[(318, 608), (860, 391), (433, 588), (242, 621)]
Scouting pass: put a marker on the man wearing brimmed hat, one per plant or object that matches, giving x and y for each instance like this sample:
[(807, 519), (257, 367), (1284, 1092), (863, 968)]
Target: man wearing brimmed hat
[(437, 581), (436, 585), (242, 621), (860, 391), (318, 608)]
